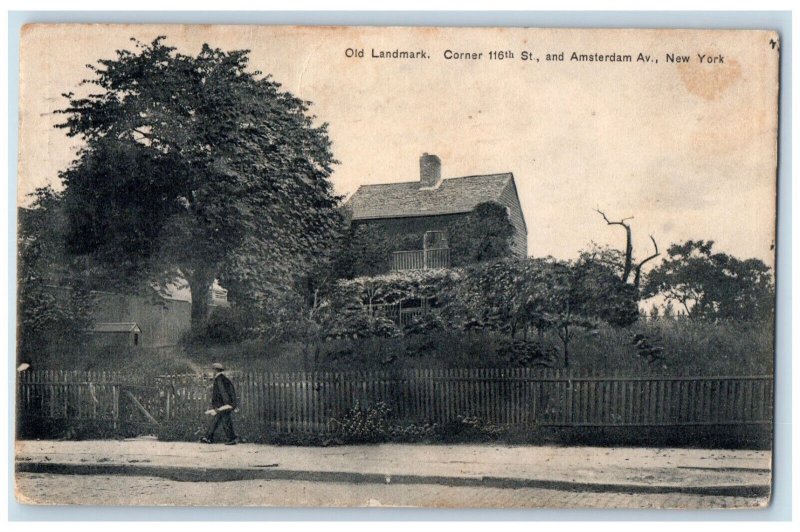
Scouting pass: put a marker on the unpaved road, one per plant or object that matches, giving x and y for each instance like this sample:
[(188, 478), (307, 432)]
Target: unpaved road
[(150, 491), (623, 465)]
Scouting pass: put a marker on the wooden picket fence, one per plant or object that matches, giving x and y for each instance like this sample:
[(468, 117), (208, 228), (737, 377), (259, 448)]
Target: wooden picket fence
[(308, 401), (120, 400)]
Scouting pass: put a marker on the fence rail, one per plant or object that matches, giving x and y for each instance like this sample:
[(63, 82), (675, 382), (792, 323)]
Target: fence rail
[(307, 401), (421, 259)]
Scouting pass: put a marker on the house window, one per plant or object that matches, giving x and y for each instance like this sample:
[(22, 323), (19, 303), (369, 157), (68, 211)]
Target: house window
[(135, 338)]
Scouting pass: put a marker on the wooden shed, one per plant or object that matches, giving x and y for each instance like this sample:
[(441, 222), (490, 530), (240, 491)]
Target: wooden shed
[(116, 334)]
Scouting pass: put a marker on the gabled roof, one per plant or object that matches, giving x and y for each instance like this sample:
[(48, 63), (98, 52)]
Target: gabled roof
[(115, 327), (454, 195)]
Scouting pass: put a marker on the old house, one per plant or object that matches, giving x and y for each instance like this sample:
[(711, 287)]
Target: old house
[(422, 224)]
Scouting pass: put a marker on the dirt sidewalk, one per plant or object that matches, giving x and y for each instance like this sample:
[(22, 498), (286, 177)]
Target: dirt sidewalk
[(600, 469)]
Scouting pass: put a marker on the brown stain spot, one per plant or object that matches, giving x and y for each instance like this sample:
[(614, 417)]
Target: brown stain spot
[(709, 81), (715, 141)]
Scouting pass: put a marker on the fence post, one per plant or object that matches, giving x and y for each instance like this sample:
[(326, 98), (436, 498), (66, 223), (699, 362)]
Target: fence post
[(115, 406), (168, 392)]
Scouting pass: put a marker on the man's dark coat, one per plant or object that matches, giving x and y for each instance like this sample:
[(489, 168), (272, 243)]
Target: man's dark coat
[(224, 393)]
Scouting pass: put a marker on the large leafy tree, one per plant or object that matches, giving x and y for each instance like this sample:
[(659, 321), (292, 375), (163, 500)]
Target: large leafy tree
[(566, 295), (53, 299), (713, 285), (195, 168)]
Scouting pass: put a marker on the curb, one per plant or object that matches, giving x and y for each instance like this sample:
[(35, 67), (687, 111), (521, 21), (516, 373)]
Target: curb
[(199, 474)]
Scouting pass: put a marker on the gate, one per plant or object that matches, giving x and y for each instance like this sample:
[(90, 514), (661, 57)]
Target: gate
[(94, 403)]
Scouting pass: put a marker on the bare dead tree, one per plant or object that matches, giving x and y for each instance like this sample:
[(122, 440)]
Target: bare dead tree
[(629, 266), (626, 272)]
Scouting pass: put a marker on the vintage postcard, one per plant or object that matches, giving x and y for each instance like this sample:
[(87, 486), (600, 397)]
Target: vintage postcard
[(378, 266)]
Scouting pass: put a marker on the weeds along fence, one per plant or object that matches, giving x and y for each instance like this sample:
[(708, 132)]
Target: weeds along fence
[(306, 402)]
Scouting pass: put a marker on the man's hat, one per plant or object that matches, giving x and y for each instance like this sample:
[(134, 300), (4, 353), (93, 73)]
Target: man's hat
[(218, 366)]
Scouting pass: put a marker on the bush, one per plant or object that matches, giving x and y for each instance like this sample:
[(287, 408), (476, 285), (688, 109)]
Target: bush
[(385, 328), (464, 429), (348, 324), (356, 324), (434, 349), (361, 424), (469, 429), (223, 326), (528, 353), (411, 433), (424, 323)]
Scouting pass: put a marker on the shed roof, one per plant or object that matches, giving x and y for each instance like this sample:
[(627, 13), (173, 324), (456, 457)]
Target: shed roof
[(452, 196), (115, 327)]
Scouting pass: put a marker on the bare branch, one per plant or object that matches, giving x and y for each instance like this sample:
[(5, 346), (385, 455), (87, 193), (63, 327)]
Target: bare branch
[(655, 245), (603, 215), (609, 222), (628, 244), (638, 276)]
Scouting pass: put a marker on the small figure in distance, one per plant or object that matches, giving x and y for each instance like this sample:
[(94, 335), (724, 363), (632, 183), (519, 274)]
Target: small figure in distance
[(223, 402)]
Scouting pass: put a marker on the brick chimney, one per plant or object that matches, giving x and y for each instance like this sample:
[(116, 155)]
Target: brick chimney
[(430, 171)]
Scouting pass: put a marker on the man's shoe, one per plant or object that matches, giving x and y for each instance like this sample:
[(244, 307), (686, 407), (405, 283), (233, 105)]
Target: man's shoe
[(232, 442), (205, 440)]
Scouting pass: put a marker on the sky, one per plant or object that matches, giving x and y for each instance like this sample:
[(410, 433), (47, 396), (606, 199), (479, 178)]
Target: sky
[(688, 150)]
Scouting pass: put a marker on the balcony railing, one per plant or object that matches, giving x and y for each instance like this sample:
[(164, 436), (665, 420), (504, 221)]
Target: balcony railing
[(423, 259)]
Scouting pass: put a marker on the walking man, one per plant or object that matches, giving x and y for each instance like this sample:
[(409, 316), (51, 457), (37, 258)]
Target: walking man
[(223, 401)]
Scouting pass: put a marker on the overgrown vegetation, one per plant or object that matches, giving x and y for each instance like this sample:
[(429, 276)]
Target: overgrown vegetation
[(690, 347), (195, 168), (53, 297), (483, 234)]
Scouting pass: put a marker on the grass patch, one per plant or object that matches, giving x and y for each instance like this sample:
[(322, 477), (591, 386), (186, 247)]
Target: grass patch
[(689, 348)]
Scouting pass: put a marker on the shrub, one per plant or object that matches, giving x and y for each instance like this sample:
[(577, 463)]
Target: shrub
[(224, 325), (348, 324), (361, 424), (469, 428), (357, 324), (424, 323), (383, 327), (411, 433), (527, 353), (461, 430)]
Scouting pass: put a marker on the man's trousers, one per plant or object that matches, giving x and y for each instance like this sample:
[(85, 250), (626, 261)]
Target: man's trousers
[(226, 420)]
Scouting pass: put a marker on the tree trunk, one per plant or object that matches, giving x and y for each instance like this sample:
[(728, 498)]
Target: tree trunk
[(628, 254), (199, 284)]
